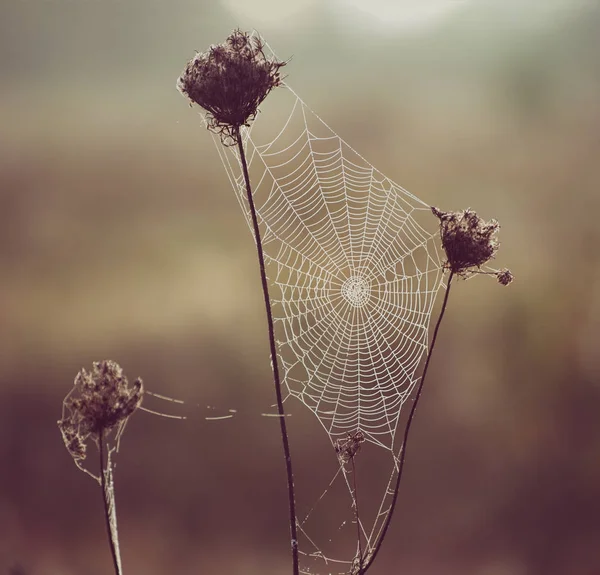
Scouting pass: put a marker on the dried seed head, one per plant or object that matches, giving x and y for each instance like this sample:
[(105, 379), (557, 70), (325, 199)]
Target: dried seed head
[(347, 448), (99, 402), (230, 81), (504, 276), (469, 241)]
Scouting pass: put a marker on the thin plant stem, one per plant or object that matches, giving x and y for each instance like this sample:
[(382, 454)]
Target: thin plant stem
[(274, 363), (357, 518), (109, 502), (411, 416)]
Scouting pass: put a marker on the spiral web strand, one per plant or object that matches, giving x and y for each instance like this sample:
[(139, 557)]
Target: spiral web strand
[(354, 267)]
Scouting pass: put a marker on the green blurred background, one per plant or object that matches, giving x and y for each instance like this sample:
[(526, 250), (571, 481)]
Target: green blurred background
[(121, 238)]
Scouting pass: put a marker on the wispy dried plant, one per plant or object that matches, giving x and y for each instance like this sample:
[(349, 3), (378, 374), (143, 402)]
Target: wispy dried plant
[(96, 410), (469, 243), (229, 82)]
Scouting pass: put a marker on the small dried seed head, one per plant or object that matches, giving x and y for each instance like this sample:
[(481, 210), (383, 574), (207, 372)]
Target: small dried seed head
[(504, 276), (469, 241), (347, 448), (230, 81), (99, 402)]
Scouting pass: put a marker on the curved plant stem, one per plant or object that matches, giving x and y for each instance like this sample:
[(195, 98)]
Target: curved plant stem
[(274, 364), (108, 499), (411, 416)]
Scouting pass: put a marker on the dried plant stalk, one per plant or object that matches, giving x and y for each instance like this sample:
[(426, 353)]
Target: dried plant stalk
[(469, 243), (98, 407), (229, 82)]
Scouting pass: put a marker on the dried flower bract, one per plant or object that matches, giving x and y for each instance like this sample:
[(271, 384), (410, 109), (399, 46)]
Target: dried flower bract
[(99, 402), (230, 81), (469, 241)]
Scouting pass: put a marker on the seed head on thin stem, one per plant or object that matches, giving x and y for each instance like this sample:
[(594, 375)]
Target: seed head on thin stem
[(230, 81), (100, 401)]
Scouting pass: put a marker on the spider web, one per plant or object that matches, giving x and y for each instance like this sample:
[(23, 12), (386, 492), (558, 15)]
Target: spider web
[(354, 273), (354, 269)]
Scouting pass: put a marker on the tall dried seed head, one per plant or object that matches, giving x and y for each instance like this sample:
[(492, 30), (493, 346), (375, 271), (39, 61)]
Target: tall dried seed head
[(230, 81), (99, 402)]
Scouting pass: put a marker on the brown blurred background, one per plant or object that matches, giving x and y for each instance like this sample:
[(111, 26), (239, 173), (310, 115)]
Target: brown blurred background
[(120, 238)]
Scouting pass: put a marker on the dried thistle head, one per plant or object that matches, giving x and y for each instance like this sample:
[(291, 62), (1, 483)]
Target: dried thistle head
[(347, 448), (99, 402), (469, 242), (230, 81)]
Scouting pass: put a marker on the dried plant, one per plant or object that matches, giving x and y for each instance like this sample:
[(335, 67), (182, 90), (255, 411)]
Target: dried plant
[(100, 401), (469, 243), (229, 82), (504, 276), (96, 410)]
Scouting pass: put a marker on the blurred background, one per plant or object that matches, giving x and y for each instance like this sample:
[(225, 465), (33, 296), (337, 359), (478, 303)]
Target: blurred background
[(121, 238)]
